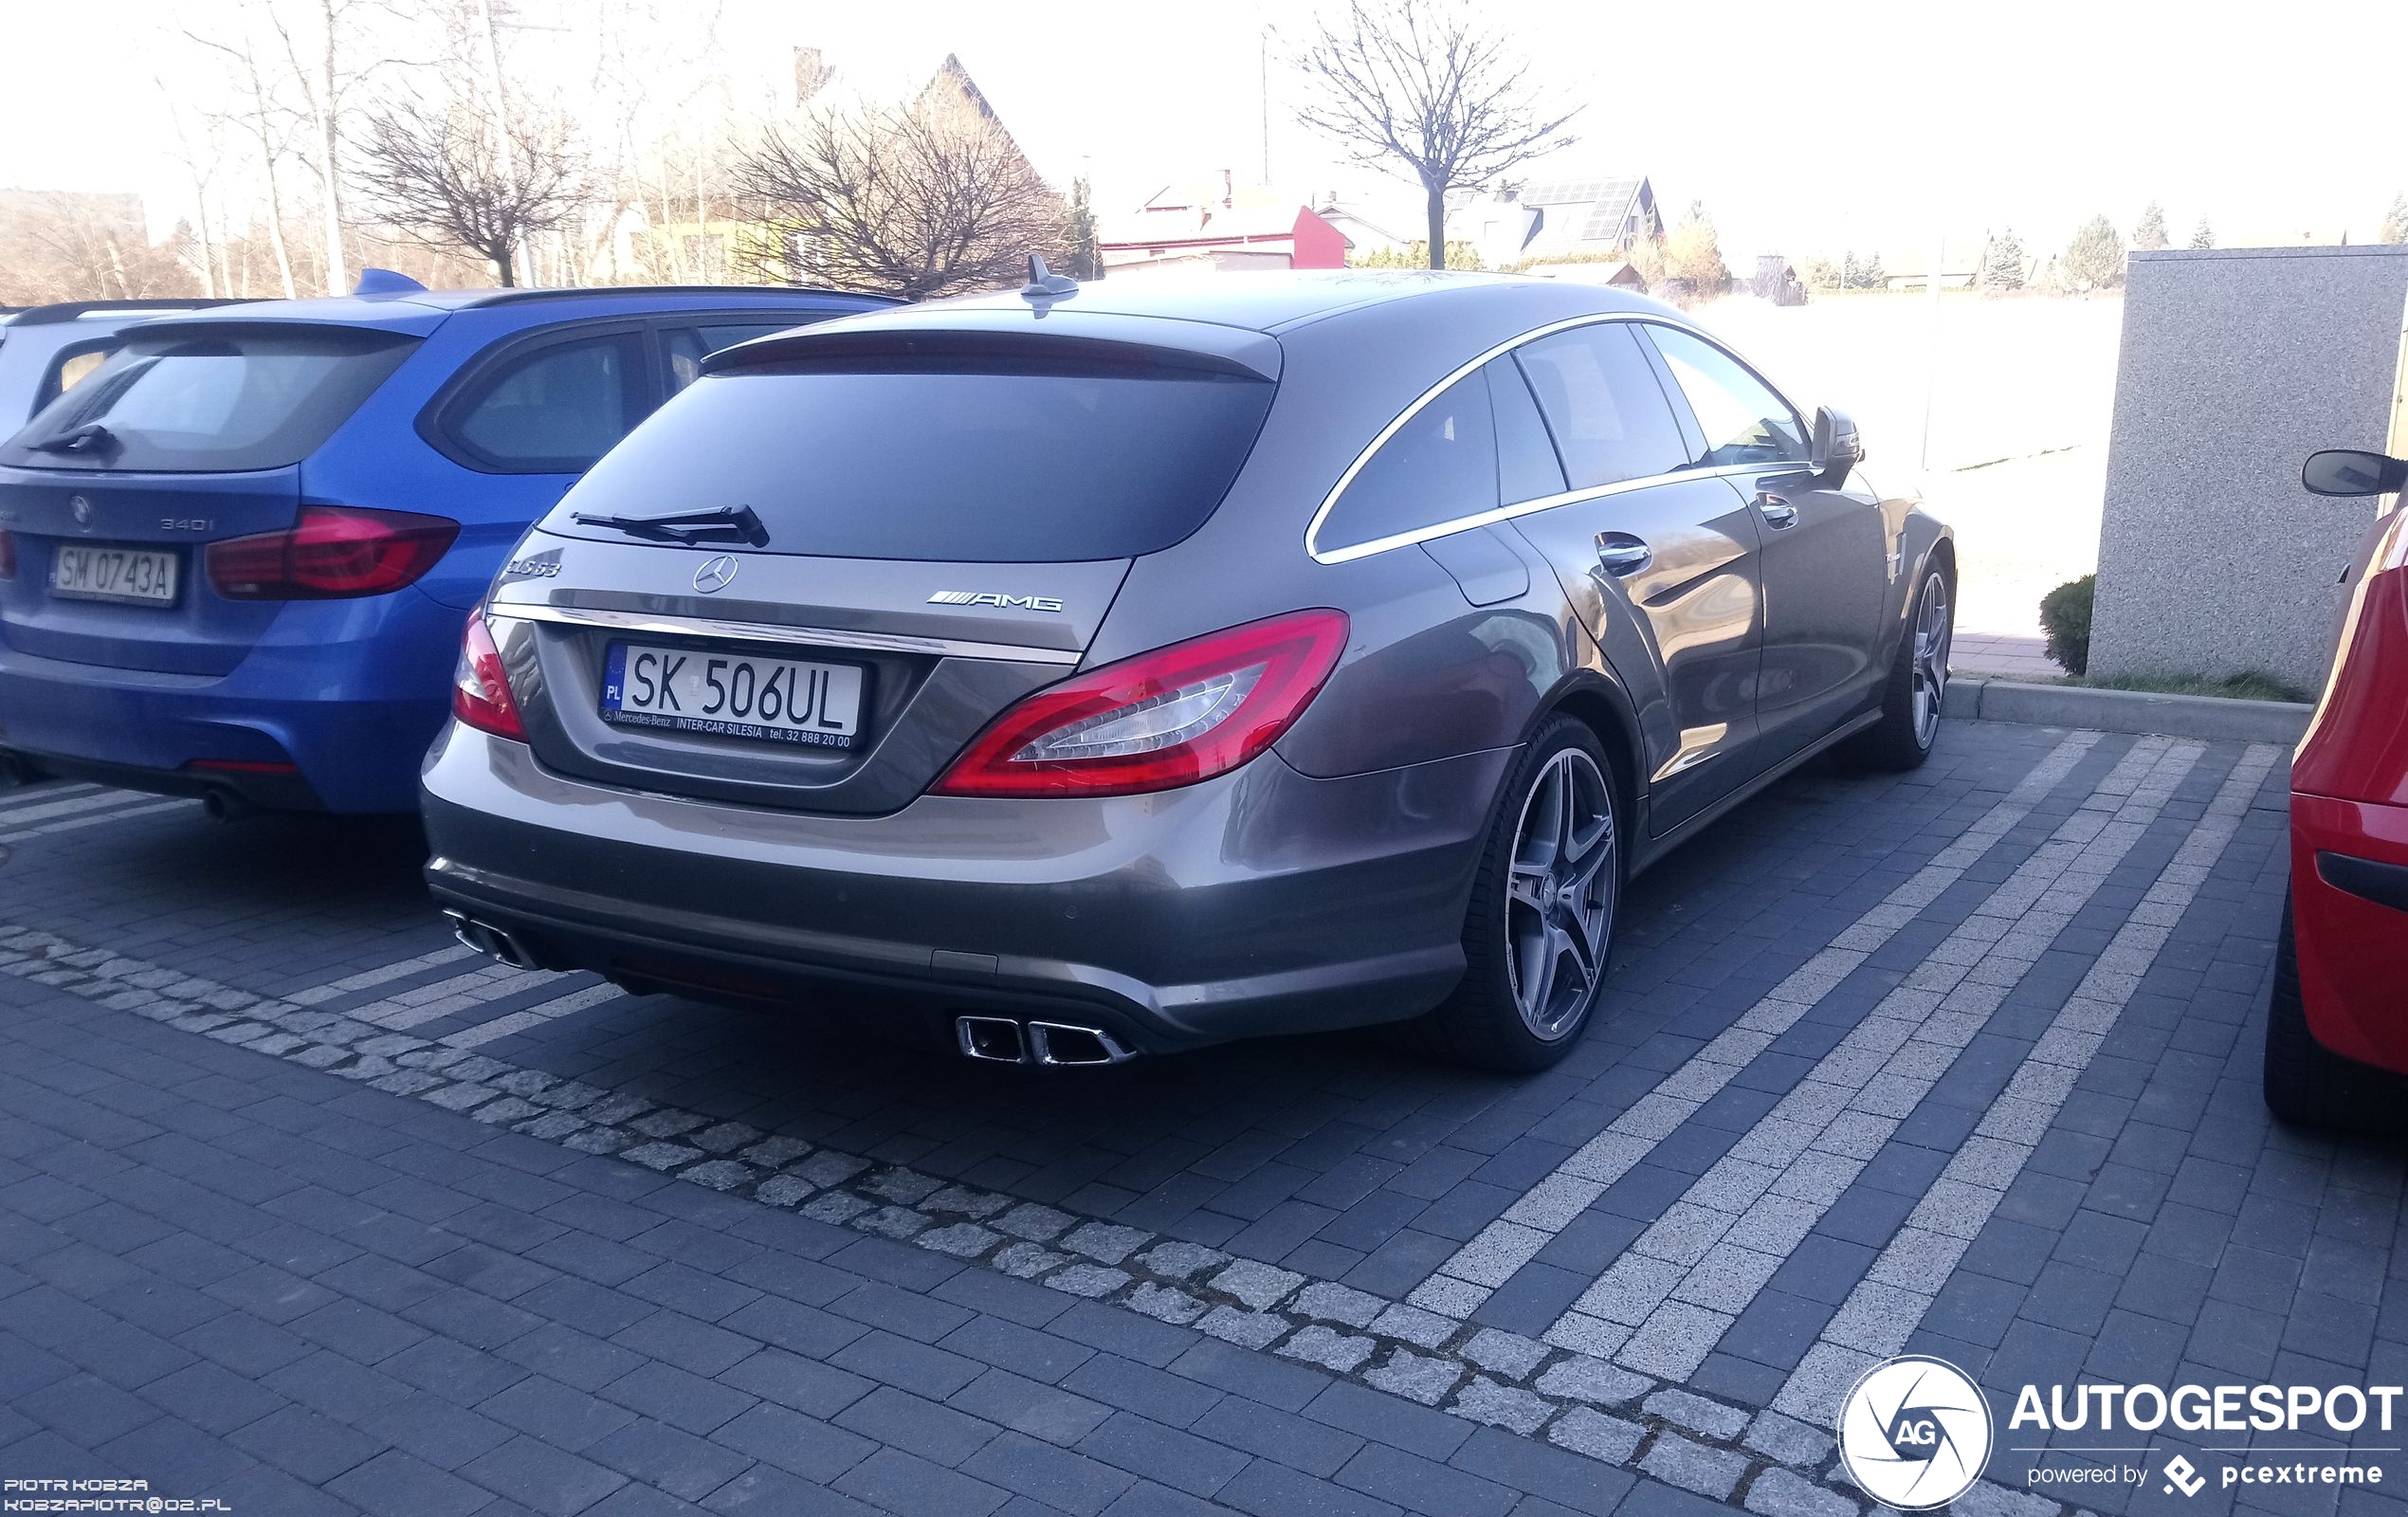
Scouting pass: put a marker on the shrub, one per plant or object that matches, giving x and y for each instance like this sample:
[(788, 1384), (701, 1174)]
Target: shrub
[(2064, 615)]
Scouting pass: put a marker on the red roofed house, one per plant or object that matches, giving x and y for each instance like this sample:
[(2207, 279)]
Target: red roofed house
[(1222, 227)]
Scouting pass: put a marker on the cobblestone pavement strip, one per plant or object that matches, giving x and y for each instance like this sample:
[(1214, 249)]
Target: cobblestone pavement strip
[(301, 1205)]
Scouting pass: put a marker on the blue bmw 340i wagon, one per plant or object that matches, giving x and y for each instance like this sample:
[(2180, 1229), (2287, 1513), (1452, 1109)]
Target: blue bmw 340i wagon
[(235, 558)]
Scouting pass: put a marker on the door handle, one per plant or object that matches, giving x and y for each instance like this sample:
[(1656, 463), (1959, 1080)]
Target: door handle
[(1778, 512), (1618, 554)]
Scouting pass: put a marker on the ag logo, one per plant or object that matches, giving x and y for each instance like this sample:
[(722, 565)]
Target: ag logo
[(1914, 1433), (82, 510)]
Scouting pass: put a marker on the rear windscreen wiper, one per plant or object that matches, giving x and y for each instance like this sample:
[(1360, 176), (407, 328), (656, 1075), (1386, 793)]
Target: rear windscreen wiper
[(721, 524), (77, 439)]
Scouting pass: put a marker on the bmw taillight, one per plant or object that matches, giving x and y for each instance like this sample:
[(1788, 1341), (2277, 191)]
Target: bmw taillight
[(481, 695), (1158, 720), (330, 554)]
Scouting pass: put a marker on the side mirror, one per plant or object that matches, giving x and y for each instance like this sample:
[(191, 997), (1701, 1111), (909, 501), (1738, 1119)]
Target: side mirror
[(1838, 446), (2353, 471)]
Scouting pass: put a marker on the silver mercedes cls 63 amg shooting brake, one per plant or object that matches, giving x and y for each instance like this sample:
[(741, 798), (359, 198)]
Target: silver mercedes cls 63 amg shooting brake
[(1136, 667)]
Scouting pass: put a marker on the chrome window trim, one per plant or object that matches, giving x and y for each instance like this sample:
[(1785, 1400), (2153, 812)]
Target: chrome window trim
[(712, 626), (1520, 508)]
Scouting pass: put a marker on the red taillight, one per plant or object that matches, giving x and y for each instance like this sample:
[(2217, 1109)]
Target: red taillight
[(333, 551), (1157, 720), (8, 554), (481, 695)]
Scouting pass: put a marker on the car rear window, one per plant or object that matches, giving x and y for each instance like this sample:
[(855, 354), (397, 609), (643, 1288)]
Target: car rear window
[(972, 461), (211, 400)]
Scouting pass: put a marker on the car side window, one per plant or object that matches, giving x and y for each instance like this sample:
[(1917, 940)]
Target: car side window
[(1528, 468), (70, 367), (688, 345), (555, 409), (1744, 419), (1439, 467), (1603, 405)]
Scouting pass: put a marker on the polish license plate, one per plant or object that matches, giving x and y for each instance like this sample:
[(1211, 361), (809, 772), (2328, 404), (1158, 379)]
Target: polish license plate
[(97, 571), (732, 695)]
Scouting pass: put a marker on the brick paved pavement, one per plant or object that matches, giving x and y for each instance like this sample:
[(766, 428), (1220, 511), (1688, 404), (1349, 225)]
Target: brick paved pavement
[(1962, 1063)]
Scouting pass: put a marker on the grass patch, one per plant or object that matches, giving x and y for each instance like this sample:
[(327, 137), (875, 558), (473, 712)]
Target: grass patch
[(2236, 686)]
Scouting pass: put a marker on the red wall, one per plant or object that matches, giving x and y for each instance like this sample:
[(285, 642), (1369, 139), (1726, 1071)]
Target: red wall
[(1319, 244)]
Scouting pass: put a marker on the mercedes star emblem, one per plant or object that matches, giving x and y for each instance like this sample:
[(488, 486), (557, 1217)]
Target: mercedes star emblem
[(715, 573), (81, 508)]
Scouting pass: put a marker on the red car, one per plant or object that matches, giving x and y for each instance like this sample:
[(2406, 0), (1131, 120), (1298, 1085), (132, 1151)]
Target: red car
[(2337, 1022)]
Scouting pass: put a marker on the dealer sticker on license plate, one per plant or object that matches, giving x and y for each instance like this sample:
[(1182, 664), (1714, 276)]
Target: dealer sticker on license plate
[(96, 571), (780, 700)]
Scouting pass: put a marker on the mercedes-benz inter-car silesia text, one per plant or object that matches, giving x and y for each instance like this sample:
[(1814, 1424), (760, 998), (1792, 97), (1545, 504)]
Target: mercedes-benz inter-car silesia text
[(1127, 671)]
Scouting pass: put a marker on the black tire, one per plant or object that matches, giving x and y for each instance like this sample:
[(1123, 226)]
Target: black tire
[(2307, 1083), (1905, 736), (1482, 1023)]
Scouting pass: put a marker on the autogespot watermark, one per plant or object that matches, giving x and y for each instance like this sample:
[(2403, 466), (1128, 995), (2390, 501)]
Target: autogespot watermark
[(1916, 1432), (2253, 1420), (19, 1493)]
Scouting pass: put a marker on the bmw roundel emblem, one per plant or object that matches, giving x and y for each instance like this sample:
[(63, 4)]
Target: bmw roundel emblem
[(81, 509), (716, 572)]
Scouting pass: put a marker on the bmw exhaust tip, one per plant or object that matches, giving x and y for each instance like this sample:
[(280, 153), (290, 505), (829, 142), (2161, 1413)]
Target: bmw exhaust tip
[(996, 1039), (494, 943), (1058, 1043)]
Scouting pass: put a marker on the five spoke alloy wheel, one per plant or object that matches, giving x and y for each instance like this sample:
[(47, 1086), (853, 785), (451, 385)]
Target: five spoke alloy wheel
[(1540, 922), (1934, 626), (1560, 891)]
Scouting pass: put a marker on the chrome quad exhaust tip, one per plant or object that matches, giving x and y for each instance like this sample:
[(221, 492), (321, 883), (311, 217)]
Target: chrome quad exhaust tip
[(996, 1039), (1002, 1040), (1059, 1043), (494, 943)]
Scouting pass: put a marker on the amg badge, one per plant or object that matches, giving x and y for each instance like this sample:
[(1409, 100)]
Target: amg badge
[(988, 597)]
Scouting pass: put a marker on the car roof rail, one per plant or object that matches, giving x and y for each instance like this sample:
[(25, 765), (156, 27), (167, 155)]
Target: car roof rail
[(69, 310), (512, 297)]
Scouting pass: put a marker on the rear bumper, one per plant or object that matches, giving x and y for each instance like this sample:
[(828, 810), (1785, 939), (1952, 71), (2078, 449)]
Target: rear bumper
[(349, 693), (1260, 903), (2349, 903)]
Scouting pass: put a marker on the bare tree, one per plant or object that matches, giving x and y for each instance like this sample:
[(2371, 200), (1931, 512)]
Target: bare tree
[(65, 245), (259, 120), (469, 180), (1426, 85), (928, 199)]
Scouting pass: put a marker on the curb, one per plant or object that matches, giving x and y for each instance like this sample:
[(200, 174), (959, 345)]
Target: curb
[(2213, 718)]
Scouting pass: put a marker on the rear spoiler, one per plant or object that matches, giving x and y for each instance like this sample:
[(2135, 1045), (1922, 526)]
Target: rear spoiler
[(69, 310), (918, 336)]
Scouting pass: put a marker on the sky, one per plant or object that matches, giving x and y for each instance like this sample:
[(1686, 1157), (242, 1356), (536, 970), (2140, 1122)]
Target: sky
[(1803, 129)]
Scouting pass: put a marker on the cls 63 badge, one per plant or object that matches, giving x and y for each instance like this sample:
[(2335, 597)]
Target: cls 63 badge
[(541, 566)]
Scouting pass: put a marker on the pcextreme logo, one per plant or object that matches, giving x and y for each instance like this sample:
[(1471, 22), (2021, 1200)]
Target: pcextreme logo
[(1914, 1433)]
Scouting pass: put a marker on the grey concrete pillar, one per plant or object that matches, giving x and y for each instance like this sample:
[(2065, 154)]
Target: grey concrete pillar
[(2236, 365)]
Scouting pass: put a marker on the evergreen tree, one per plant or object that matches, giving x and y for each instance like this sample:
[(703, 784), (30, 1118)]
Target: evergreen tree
[(2201, 238), (1085, 263), (2003, 269), (2094, 259), (2148, 234), (2395, 222)]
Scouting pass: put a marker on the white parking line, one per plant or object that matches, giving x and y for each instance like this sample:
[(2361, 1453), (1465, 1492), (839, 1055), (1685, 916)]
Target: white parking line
[(559, 1006), (31, 810), (1666, 1301), (412, 1008), (1891, 1302), (72, 823), (1472, 1275), (370, 978), (42, 791)]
